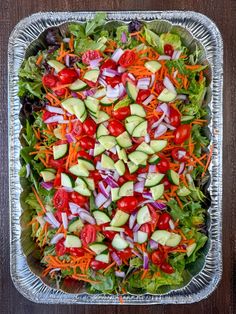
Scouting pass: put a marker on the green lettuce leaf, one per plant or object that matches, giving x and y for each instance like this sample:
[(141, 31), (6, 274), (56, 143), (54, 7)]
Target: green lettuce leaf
[(107, 283), (77, 29), (153, 39), (201, 240), (171, 39), (199, 139), (120, 30), (95, 24)]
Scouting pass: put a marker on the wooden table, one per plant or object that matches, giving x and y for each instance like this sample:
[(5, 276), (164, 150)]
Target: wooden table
[(224, 14)]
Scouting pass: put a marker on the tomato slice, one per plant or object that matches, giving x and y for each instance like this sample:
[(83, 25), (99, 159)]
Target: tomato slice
[(60, 248), (182, 133), (115, 127), (167, 268), (61, 199), (90, 55), (87, 142), (127, 59), (159, 86), (49, 80), (89, 127), (77, 128), (124, 254), (142, 95), (108, 64), (97, 265), (127, 204), (157, 257), (163, 165), (174, 117), (180, 154), (68, 76), (163, 221), (121, 113), (88, 234), (78, 199), (113, 81), (168, 50)]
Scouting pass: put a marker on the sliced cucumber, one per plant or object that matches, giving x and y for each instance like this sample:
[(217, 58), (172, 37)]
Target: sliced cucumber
[(119, 219), (79, 109), (100, 237), (183, 191), (75, 225), (116, 229), (83, 191), (142, 237), (81, 183), (100, 217), (102, 117), (98, 248), (106, 101), (68, 105), (138, 157), (173, 177), (101, 130), (143, 215), (137, 110), (66, 180), (190, 249), (132, 90), (47, 175), (104, 258), (158, 145), (107, 141), (127, 189), (132, 167), (131, 122), (58, 66), (115, 194), (84, 116), (60, 151), (77, 85), (153, 178), (119, 243), (72, 241), (121, 153), (166, 96), (134, 118), (145, 148), (57, 132), (152, 66), (173, 240), (51, 170), (79, 171), (186, 119), (90, 183), (161, 236), (140, 129), (122, 103), (98, 149), (92, 104), (157, 191), (92, 75), (88, 164), (124, 140), (107, 162), (153, 160), (120, 167)]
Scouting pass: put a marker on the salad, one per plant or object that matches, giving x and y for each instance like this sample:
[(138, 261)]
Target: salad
[(114, 156)]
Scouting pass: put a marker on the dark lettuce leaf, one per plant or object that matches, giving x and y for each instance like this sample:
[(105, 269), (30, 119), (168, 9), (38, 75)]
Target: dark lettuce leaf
[(135, 26)]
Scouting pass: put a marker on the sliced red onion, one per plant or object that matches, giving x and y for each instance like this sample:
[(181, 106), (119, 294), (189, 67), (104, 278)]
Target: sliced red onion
[(91, 152), (147, 195), (164, 108), (54, 109), (130, 240), (160, 130), (176, 54), (57, 238), (116, 176), (152, 168), (102, 82), (146, 202), (70, 138), (113, 92), (47, 185), (137, 254), (132, 219), (64, 220), (78, 71), (175, 73), (155, 124), (143, 83), (120, 69), (164, 57), (103, 189), (27, 167), (122, 90), (87, 217), (136, 228), (95, 63), (53, 119), (153, 245), (67, 121), (181, 97), (168, 84), (74, 208), (112, 183), (67, 189), (53, 220), (109, 72), (167, 120), (152, 80), (181, 168), (116, 258), (169, 126), (74, 94), (67, 60), (122, 234), (117, 54), (145, 260), (70, 217), (120, 274), (139, 186), (142, 176), (159, 205), (148, 100), (135, 235), (113, 150), (100, 199), (123, 37), (147, 138), (131, 76), (171, 224), (89, 92), (40, 220)]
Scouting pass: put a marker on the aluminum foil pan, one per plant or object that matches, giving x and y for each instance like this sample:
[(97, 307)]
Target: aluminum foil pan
[(195, 29)]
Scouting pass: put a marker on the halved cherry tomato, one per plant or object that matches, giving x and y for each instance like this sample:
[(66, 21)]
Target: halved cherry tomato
[(143, 169), (151, 121), (78, 199), (121, 113), (128, 231), (88, 234), (179, 153), (68, 76), (167, 184), (57, 180), (108, 64), (60, 248), (55, 163), (168, 50), (157, 257), (159, 86), (182, 133), (60, 199), (127, 203), (89, 127), (167, 268), (125, 78), (108, 234), (127, 59), (163, 165), (146, 228), (142, 95), (163, 221), (121, 180), (95, 175), (115, 127), (96, 265), (113, 81), (90, 55), (77, 252), (47, 115), (130, 177), (61, 91), (49, 80), (77, 128), (87, 142), (124, 254), (174, 117), (154, 215), (84, 154)]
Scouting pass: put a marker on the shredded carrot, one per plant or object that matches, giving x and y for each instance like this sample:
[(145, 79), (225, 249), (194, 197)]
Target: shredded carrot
[(179, 202), (193, 67), (208, 160), (134, 34), (108, 267), (145, 272), (166, 197), (85, 279), (39, 60), (43, 161), (181, 233), (197, 160), (71, 43), (38, 199)]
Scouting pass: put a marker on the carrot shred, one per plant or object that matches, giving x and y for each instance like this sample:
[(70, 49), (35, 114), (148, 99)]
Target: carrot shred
[(39, 200), (145, 272), (39, 60), (109, 266), (179, 201), (208, 160)]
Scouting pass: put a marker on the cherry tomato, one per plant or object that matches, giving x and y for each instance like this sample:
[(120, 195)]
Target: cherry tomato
[(154, 215), (182, 133), (146, 228), (151, 121), (125, 78), (60, 199), (179, 153), (84, 154), (108, 64), (60, 248), (130, 177), (113, 81), (143, 169), (88, 234), (49, 80), (57, 180), (127, 203), (95, 175), (61, 91), (142, 95), (76, 252), (157, 257), (174, 117), (159, 86), (124, 254), (127, 59), (68, 76), (78, 199), (128, 231), (167, 184), (167, 268), (90, 55), (89, 127), (121, 113), (115, 127), (108, 234), (121, 180), (77, 128), (163, 221), (96, 265), (163, 165), (168, 50), (47, 115), (87, 142), (52, 163)]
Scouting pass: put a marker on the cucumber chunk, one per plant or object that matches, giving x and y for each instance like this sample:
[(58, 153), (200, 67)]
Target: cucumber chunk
[(157, 191), (72, 241), (161, 236), (119, 219), (92, 75), (92, 104), (119, 243), (66, 180), (140, 129), (83, 191), (120, 167), (47, 175), (58, 66), (107, 141), (132, 167), (101, 130), (173, 240), (79, 170), (145, 148), (106, 101), (152, 66), (75, 225), (183, 191), (142, 237), (190, 249), (98, 248), (127, 189), (158, 145), (166, 96), (107, 162), (105, 258), (121, 153), (124, 140), (77, 85), (143, 215), (137, 110), (153, 179), (98, 149), (60, 151), (100, 217), (115, 194), (132, 90), (138, 157), (173, 177)]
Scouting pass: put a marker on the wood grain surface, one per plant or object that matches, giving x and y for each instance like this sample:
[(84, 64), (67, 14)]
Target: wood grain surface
[(223, 300)]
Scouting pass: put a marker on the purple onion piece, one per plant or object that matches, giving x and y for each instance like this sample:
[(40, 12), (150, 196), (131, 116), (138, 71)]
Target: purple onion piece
[(123, 38), (100, 199), (132, 219), (116, 258), (159, 205), (120, 274), (136, 228), (153, 244), (145, 260), (47, 185), (161, 130), (64, 220), (139, 186), (57, 238), (54, 109)]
